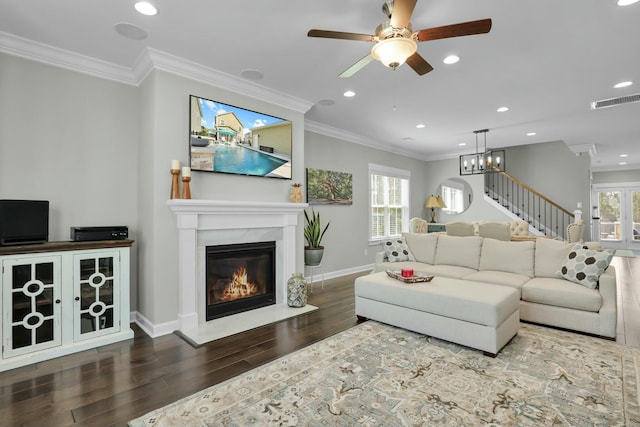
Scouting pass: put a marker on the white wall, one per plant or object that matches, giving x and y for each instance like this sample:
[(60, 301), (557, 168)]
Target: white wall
[(71, 139)]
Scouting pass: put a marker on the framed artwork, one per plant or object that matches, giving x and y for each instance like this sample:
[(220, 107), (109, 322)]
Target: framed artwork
[(329, 187)]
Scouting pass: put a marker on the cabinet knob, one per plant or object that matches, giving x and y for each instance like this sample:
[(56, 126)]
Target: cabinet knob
[(58, 301), (77, 298)]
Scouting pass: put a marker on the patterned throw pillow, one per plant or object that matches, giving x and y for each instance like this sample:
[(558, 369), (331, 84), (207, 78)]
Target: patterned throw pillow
[(397, 250), (584, 266)]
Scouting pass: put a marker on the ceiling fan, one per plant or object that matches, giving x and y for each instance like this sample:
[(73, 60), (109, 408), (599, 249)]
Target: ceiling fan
[(395, 41)]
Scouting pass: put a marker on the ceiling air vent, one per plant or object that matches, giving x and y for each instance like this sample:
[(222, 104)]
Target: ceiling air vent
[(605, 103)]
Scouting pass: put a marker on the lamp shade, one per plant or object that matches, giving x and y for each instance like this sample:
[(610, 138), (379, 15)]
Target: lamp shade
[(432, 202), (441, 202), (394, 51)]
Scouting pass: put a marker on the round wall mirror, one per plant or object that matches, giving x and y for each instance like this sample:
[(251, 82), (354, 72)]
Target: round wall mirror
[(457, 195)]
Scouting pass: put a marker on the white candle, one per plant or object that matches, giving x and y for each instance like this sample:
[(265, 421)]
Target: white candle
[(186, 171), (175, 164)]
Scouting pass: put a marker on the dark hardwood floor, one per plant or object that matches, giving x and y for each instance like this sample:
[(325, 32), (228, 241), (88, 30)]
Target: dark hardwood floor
[(116, 383)]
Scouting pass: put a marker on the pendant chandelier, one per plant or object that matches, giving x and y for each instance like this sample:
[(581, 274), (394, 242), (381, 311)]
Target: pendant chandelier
[(486, 161)]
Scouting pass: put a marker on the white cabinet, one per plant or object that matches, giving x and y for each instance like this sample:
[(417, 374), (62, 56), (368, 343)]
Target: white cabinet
[(62, 297)]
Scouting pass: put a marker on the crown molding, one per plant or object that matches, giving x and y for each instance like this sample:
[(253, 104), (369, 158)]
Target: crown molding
[(149, 60), (584, 148), (46, 54), (312, 126), (152, 59)]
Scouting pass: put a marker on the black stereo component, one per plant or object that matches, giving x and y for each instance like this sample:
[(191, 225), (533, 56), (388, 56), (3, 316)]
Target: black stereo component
[(82, 234), (23, 222)]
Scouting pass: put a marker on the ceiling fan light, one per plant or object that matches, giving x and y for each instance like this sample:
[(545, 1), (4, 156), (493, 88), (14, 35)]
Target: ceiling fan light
[(394, 51)]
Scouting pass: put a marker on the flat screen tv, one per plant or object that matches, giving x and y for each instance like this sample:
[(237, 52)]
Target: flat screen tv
[(228, 139)]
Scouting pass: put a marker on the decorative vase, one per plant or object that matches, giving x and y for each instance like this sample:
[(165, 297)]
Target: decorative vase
[(297, 290), (313, 256), (295, 196)]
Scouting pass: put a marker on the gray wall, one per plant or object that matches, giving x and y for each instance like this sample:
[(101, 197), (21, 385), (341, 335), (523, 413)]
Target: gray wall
[(71, 139), (347, 238)]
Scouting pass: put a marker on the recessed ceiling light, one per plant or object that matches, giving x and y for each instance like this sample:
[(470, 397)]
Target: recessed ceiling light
[(146, 8), (130, 31), (251, 74), (626, 2), (622, 163), (451, 59), (624, 155), (622, 84), (462, 144), (502, 109), (349, 93), (531, 134), (421, 125)]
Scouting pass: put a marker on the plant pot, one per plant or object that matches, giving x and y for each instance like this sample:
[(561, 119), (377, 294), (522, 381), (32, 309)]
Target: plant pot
[(313, 256)]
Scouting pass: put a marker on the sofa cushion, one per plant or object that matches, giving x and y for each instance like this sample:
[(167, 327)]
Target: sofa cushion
[(561, 293), (422, 246), (461, 251), (451, 271), (502, 278), (397, 250), (461, 229), (511, 257), (495, 230), (549, 254), (584, 266)]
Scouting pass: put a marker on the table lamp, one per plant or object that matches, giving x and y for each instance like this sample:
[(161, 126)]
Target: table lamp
[(432, 203)]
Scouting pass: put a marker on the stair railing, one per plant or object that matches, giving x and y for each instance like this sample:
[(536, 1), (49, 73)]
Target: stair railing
[(538, 210)]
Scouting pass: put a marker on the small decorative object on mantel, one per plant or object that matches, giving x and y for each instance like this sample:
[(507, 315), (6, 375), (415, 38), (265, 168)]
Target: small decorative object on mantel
[(295, 196), (186, 178), (175, 186), (417, 277), (297, 290)]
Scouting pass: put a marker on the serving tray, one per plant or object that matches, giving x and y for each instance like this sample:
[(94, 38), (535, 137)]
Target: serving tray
[(416, 278)]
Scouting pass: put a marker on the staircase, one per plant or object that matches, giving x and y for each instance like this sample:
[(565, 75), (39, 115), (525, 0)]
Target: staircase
[(544, 215)]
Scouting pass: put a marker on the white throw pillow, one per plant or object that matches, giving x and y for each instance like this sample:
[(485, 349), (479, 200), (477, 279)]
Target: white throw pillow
[(584, 266), (460, 251), (422, 246), (511, 257), (549, 256), (397, 250)]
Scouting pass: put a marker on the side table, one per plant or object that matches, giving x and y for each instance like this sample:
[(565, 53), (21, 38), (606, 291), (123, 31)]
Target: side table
[(313, 269)]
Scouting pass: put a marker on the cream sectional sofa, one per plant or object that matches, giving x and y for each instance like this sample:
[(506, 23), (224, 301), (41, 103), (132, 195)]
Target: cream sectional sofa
[(533, 268)]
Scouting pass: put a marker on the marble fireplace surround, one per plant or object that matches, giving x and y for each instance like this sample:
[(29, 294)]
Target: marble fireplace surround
[(211, 222)]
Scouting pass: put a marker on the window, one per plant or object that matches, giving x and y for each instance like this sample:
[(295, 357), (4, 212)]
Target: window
[(389, 202)]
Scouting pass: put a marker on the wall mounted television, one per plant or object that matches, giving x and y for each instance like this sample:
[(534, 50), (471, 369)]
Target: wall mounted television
[(228, 139)]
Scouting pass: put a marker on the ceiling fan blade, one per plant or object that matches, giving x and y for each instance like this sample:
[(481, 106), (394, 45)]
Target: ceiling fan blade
[(357, 66), (456, 30), (340, 35), (401, 13), (419, 64)]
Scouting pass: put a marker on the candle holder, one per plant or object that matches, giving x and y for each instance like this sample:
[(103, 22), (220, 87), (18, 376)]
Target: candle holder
[(186, 189), (175, 186)]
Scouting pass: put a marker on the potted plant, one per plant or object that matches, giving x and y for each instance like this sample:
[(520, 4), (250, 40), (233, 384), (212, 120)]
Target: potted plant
[(313, 234)]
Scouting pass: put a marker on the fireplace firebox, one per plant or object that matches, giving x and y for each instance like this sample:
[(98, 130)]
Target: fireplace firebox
[(239, 277)]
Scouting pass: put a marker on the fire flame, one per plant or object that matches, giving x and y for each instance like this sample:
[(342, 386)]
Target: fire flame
[(239, 287)]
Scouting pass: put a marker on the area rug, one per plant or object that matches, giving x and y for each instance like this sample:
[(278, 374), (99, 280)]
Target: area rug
[(378, 375)]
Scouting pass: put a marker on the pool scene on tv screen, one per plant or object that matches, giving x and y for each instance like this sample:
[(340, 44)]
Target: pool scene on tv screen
[(228, 139)]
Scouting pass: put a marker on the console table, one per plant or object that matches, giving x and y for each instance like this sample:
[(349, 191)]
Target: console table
[(62, 297)]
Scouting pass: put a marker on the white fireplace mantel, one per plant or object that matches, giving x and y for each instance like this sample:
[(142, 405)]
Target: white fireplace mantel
[(194, 216)]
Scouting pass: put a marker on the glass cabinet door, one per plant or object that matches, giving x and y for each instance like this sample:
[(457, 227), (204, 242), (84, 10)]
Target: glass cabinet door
[(31, 299), (96, 288)]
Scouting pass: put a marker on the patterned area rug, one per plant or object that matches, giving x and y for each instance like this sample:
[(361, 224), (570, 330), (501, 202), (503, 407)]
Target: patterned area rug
[(378, 375)]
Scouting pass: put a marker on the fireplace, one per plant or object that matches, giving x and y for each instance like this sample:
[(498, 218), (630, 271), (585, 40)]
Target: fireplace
[(239, 277)]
